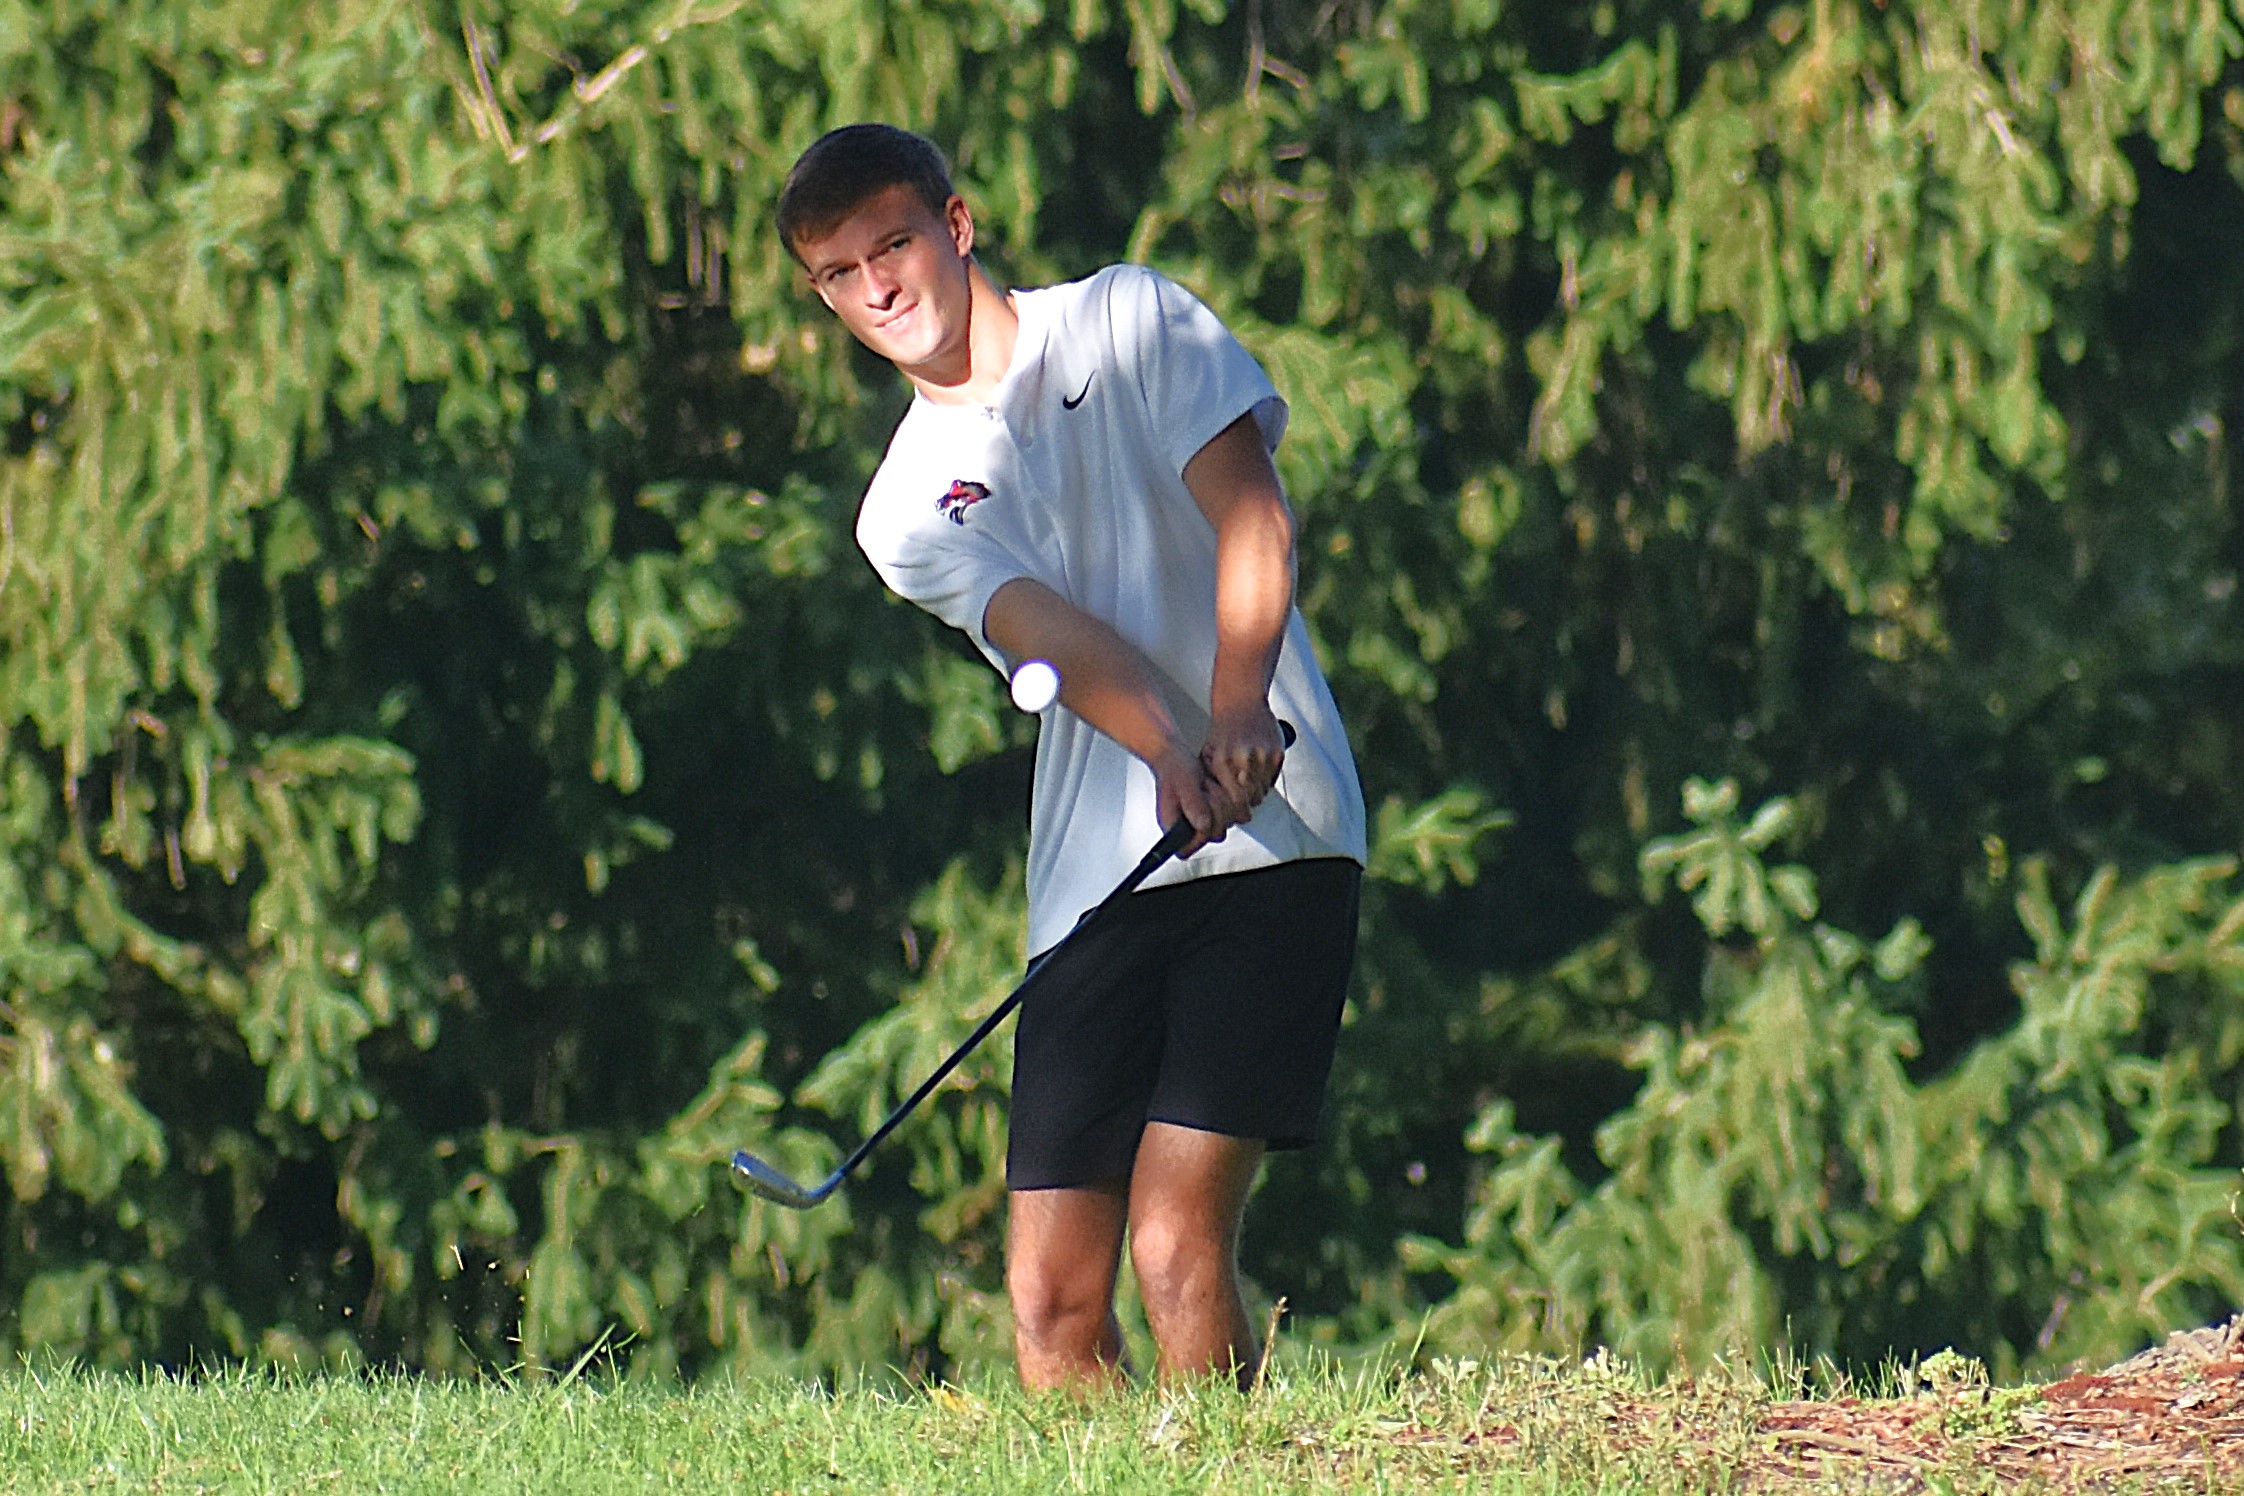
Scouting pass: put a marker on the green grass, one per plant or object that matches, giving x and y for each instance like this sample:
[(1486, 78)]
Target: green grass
[(1514, 1426), (71, 1431)]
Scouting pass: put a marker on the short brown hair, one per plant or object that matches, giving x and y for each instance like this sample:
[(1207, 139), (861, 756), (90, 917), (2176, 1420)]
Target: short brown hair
[(844, 167)]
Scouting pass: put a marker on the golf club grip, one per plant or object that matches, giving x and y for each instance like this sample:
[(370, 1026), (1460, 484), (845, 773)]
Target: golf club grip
[(1173, 841)]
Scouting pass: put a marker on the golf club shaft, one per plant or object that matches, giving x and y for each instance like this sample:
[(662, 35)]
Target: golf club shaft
[(1169, 845), (772, 1185)]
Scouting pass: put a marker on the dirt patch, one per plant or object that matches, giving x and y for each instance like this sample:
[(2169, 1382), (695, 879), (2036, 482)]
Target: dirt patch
[(2174, 1414)]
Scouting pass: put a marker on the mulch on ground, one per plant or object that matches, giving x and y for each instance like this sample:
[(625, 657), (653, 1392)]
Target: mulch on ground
[(2174, 1414)]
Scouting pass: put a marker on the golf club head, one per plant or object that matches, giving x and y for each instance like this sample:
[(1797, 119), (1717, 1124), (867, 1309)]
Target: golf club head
[(759, 1178)]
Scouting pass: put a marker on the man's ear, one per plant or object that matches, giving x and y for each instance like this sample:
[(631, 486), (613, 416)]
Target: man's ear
[(959, 219)]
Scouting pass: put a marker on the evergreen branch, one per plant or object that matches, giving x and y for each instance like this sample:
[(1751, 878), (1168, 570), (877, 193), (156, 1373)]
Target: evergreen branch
[(584, 92), (490, 112)]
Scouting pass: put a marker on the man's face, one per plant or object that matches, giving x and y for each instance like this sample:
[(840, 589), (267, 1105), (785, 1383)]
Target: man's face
[(895, 272)]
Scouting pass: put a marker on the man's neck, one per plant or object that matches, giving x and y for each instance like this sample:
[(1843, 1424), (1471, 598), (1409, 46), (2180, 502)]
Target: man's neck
[(992, 328)]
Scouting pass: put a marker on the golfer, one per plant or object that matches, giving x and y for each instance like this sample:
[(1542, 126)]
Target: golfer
[(1084, 477)]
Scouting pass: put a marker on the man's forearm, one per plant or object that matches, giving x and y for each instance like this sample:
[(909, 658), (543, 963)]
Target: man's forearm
[(1254, 599), (1104, 679), (1238, 491)]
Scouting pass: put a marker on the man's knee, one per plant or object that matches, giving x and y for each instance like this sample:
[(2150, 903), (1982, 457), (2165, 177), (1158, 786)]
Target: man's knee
[(1056, 1302), (1061, 1255), (1186, 1202), (1180, 1261)]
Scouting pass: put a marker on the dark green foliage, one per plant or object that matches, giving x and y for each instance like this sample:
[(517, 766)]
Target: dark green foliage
[(458, 781)]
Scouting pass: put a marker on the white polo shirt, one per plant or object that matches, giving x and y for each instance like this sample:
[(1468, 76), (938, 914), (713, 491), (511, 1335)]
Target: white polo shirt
[(1073, 475)]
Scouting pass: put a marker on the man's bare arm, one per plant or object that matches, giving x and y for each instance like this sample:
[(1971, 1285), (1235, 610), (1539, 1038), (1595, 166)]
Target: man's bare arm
[(1109, 683), (1236, 487)]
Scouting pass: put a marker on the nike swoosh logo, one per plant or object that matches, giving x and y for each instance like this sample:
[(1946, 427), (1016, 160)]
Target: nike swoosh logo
[(1067, 404)]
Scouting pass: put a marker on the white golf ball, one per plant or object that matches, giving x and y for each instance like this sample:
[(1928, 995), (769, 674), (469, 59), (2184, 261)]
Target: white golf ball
[(1036, 685)]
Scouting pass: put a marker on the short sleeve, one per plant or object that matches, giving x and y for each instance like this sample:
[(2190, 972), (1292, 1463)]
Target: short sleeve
[(1197, 378), (946, 547)]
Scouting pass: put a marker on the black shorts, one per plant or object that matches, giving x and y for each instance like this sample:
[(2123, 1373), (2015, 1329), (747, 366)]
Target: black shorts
[(1212, 1004)]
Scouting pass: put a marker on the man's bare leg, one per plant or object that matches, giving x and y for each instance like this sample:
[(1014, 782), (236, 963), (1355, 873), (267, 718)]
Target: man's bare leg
[(1063, 1247), (1188, 1198)]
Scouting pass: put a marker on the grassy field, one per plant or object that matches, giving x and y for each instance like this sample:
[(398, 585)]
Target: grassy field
[(1328, 1431), (1526, 1426)]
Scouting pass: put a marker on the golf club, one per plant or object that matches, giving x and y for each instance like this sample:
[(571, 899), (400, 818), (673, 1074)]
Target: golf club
[(763, 1179)]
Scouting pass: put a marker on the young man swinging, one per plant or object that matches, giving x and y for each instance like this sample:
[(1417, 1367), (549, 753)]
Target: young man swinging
[(1084, 477)]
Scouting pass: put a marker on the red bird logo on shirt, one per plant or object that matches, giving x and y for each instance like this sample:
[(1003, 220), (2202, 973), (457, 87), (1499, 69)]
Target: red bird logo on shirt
[(964, 494)]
